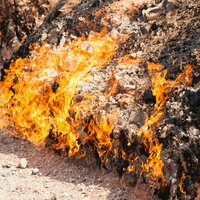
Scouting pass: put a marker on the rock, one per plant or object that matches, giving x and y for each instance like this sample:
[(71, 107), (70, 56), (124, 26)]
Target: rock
[(158, 1), (148, 97), (13, 168), (53, 198), (169, 5), (23, 163), (145, 29), (72, 180), (153, 13), (137, 117), (6, 166), (35, 171)]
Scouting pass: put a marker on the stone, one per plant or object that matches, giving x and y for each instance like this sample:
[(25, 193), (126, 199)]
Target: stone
[(153, 13), (23, 163), (137, 117), (6, 166), (35, 171)]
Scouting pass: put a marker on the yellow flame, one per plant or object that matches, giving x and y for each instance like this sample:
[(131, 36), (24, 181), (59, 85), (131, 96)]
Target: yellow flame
[(37, 98), (30, 103), (161, 88)]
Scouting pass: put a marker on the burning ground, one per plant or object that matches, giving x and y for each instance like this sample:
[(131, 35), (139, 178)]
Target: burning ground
[(103, 96)]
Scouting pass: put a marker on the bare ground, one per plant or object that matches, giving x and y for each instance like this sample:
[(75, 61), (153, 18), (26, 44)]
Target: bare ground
[(58, 178)]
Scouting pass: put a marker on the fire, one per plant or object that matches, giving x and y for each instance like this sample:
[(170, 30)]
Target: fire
[(161, 88), (37, 98), (37, 94), (181, 183)]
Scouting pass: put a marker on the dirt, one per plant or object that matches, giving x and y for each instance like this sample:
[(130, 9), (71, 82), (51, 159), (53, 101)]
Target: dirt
[(59, 177), (171, 38)]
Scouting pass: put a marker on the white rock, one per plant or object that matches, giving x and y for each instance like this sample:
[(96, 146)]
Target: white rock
[(23, 163), (13, 168), (35, 171), (153, 13)]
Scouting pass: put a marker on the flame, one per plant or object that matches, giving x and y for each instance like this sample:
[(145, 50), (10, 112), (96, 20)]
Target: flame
[(181, 183), (37, 94), (100, 132), (161, 88), (37, 98)]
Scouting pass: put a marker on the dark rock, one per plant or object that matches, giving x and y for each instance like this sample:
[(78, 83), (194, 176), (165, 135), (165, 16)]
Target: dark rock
[(148, 97)]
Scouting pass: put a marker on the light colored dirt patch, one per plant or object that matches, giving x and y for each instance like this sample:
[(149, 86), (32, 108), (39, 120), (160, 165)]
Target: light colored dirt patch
[(59, 177)]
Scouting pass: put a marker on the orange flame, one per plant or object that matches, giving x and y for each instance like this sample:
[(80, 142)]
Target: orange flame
[(38, 92), (161, 88), (181, 183), (37, 98)]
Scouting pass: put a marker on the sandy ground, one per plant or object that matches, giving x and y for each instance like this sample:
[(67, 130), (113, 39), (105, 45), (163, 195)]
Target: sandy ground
[(59, 177)]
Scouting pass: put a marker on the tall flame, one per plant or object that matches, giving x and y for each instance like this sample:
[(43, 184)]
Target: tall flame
[(37, 98), (38, 92), (161, 88)]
